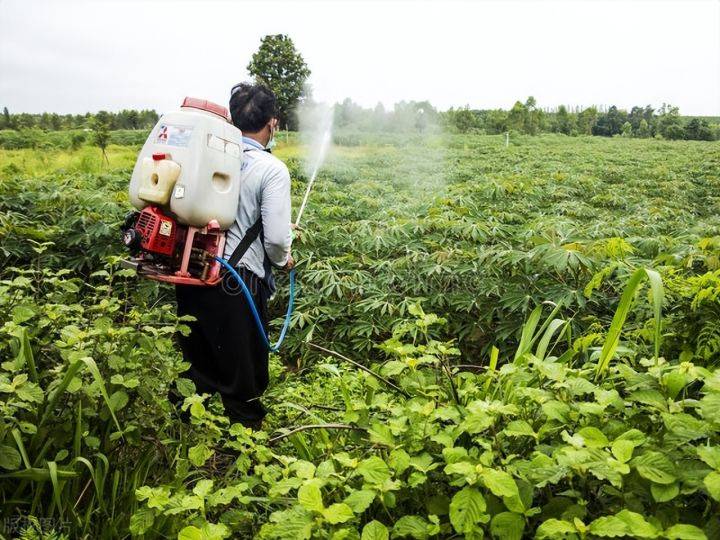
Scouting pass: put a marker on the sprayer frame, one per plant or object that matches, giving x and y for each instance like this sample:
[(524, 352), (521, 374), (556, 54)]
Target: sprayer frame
[(182, 275)]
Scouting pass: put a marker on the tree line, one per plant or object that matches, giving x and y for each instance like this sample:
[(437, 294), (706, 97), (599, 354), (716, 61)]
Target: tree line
[(125, 119), (641, 122)]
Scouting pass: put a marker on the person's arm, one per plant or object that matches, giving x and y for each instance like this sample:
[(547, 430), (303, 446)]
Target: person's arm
[(275, 211)]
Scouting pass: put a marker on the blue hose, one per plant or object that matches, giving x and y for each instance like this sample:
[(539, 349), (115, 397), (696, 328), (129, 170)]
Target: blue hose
[(253, 308)]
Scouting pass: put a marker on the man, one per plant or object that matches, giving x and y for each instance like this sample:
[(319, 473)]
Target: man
[(225, 349)]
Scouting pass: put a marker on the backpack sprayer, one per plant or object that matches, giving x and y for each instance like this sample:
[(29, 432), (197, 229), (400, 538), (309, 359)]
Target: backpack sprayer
[(185, 187)]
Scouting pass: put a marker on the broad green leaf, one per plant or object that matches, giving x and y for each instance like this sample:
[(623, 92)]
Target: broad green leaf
[(293, 524), (185, 387), (375, 531), (710, 455), (374, 470), (215, 531), (712, 484), (622, 450), (310, 497), (519, 428), (156, 497), (674, 382), (611, 526), (686, 426), (360, 500), (303, 469), (664, 492), (399, 460), (593, 437), (337, 513), (499, 483), (141, 521), (554, 528), (21, 314), (655, 467), (411, 526), (190, 533), (507, 526), (650, 397), (710, 407), (199, 454), (381, 434), (556, 410), (467, 508), (636, 525), (30, 392), (636, 436), (684, 532), (10, 458), (226, 495), (203, 487)]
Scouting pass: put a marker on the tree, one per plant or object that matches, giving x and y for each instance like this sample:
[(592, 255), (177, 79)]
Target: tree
[(643, 130), (6, 121), (638, 114), (610, 123), (669, 124), (516, 117), (496, 121), (698, 130), (534, 117), (463, 120), (626, 129), (101, 134), (586, 120), (563, 123), (279, 66)]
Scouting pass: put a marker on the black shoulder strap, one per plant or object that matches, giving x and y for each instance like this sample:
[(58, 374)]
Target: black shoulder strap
[(250, 236)]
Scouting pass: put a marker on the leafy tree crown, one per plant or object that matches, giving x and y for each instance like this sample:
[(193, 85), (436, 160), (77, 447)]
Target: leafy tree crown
[(278, 65)]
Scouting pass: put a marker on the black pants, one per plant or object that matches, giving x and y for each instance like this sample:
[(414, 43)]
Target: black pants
[(225, 349)]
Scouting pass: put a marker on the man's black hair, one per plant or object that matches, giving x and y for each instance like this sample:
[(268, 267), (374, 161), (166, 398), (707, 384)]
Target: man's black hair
[(252, 106)]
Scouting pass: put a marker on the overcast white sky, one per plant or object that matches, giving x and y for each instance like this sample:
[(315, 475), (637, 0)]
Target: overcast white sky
[(72, 56)]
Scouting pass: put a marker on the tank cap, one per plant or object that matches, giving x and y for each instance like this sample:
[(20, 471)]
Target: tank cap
[(205, 105), (159, 156)]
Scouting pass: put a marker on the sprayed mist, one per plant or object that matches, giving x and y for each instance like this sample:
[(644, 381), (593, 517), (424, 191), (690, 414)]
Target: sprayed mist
[(316, 125)]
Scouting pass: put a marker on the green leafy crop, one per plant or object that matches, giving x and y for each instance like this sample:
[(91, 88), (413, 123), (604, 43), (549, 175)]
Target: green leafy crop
[(496, 342)]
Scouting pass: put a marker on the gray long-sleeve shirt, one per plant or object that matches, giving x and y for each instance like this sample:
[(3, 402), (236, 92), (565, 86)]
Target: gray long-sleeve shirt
[(264, 191)]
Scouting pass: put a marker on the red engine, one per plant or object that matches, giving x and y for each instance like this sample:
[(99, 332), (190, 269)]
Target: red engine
[(158, 232), (165, 250)]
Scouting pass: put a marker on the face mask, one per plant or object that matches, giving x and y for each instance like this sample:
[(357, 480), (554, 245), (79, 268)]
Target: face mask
[(272, 142)]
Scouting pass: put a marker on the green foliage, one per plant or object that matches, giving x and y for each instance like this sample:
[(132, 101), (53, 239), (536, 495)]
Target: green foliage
[(279, 66), (538, 327)]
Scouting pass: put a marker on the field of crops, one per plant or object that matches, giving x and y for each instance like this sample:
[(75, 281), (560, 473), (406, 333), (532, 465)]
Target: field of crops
[(494, 342)]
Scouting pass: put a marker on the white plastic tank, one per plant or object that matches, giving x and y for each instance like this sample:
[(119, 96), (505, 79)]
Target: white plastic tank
[(190, 165)]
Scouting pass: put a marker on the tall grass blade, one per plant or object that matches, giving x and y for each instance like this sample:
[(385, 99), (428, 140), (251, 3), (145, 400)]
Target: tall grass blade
[(27, 354), (553, 327), (92, 366), (494, 353), (527, 332), (21, 448), (52, 400), (613, 337), (53, 473)]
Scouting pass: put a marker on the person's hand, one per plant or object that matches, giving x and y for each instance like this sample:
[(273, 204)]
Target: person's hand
[(290, 263)]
